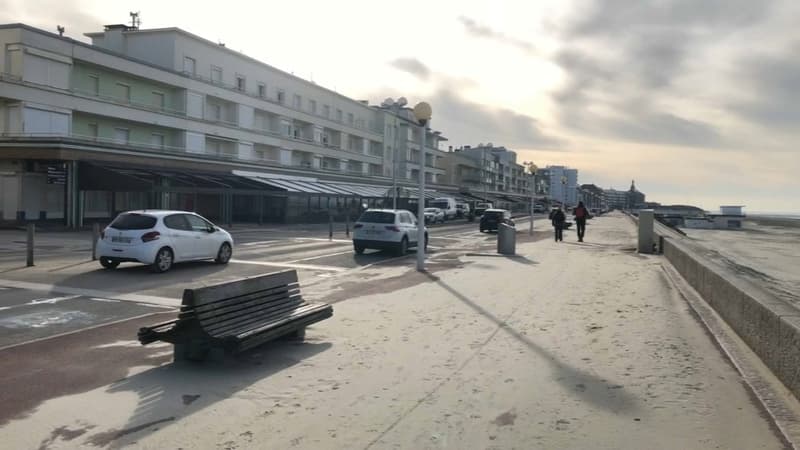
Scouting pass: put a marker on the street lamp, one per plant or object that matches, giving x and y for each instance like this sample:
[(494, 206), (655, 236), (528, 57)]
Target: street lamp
[(422, 112), (564, 189), (395, 107)]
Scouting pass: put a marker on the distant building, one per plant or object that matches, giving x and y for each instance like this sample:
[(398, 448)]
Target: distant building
[(592, 196), (563, 185), (616, 199), (636, 199)]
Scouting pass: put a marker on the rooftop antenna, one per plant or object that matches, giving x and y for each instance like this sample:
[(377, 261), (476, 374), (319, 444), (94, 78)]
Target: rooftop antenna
[(60, 30), (135, 20)]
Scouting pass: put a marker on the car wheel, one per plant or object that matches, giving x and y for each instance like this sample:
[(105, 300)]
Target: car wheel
[(164, 260), (402, 248), (108, 263), (358, 249), (224, 254)]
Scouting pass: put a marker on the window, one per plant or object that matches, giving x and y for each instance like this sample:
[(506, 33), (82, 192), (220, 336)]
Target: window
[(350, 119), (158, 99), (189, 65), (157, 140), (121, 135), (216, 74), (312, 106), (281, 96), (262, 90), (240, 83), (176, 222), (133, 221), (196, 223), (92, 127), (326, 111), (298, 101), (216, 112), (94, 84), (339, 115), (124, 92)]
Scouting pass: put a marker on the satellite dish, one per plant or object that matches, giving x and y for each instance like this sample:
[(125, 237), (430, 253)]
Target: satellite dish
[(402, 101)]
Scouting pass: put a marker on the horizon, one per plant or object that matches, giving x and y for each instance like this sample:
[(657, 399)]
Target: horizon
[(672, 94)]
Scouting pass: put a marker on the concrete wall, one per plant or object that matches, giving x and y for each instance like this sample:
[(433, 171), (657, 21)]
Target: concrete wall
[(768, 325)]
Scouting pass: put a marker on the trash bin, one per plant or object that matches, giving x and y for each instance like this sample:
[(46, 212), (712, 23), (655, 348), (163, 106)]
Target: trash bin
[(506, 239)]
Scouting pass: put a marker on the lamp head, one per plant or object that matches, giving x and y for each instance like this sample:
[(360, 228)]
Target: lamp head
[(422, 112), (402, 101)]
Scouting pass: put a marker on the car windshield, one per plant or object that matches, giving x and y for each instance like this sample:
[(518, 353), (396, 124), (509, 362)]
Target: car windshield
[(433, 210), (133, 221), (442, 205), (377, 217), (493, 215)]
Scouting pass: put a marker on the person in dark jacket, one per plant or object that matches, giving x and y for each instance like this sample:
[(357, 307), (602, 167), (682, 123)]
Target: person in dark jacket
[(558, 218), (581, 214)]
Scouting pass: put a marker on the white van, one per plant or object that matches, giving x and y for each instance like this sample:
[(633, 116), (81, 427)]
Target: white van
[(446, 204)]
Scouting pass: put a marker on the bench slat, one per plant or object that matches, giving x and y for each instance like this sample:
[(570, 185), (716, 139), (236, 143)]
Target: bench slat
[(215, 324), (209, 294), (283, 329), (255, 301), (222, 303), (257, 316), (309, 311)]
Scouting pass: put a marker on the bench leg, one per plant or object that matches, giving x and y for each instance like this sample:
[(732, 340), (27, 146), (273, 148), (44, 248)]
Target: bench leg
[(190, 351), (216, 354), (296, 335)]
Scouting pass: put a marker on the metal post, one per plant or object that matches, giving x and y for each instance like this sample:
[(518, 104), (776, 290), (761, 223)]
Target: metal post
[(394, 157), (95, 237), (421, 205), (530, 231), (31, 230), (330, 225), (347, 225)]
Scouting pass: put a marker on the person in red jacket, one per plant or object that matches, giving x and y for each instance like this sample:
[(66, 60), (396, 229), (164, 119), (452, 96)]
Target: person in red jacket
[(581, 214)]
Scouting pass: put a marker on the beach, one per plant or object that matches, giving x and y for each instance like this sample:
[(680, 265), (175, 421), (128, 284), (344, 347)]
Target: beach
[(765, 251)]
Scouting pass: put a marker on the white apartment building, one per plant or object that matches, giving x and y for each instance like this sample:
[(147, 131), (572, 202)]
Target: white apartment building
[(563, 186), (162, 118), (498, 178)]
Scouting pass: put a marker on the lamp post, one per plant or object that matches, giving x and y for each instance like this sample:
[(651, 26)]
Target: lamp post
[(422, 112), (531, 186), (395, 108), (564, 188)]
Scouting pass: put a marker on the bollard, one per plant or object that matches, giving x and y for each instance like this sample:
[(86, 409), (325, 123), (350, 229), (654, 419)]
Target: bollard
[(506, 239), (330, 226), (31, 231), (646, 217), (95, 237), (347, 225)]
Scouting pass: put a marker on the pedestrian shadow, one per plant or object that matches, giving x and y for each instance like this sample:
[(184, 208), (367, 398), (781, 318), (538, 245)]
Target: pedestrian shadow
[(582, 384), (173, 392)]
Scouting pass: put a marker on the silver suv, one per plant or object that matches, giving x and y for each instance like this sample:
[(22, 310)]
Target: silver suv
[(386, 229)]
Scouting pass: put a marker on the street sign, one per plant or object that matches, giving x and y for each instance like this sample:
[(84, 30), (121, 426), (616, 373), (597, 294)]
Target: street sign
[(56, 175)]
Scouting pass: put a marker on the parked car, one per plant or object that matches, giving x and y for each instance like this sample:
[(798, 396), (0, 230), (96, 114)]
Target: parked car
[(446, 204), (481, 207), (492, 218), (162, 238), (434, 215), (462, 210), (538, 208), (386, 229)]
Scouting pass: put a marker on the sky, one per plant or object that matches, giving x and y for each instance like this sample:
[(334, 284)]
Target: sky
[(696, 100)]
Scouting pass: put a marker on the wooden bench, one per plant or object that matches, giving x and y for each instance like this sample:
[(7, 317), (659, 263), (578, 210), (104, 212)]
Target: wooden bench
[(237, 315)]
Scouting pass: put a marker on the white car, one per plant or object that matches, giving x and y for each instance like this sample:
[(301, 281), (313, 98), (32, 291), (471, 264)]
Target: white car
[(386, 229), (162, 238), (434, 215)]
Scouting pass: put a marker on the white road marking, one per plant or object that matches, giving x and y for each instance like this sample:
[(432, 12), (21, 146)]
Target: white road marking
[(107, 300), (320, 256), (289, 265), (136, 298), (446, 237), (50, 301)]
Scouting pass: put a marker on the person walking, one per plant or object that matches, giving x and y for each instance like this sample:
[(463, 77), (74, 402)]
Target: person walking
[(558, 218), (581, 214)]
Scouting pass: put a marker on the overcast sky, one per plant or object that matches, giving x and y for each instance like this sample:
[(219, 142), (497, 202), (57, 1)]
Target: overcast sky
[(697, 100)]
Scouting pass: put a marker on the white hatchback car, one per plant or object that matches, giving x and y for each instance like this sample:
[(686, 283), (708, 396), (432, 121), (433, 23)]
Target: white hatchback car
[(434, 215), (386, 229), (162, 238)]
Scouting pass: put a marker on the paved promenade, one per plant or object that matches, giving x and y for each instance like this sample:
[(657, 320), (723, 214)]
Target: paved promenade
[(566, 346)]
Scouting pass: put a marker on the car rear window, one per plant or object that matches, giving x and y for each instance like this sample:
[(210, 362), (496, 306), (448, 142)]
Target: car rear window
[(377, 217), (133, 222), (440, 205), (493, 215)]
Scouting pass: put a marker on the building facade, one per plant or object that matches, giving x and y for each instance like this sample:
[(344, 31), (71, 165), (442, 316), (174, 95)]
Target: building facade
[(563, 185), (165, 119)]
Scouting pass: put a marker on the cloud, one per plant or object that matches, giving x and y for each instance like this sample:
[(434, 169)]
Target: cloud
[(482, 31), (46, 15), (413, 66), (623, 62), (472, 123), (772, 84)]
